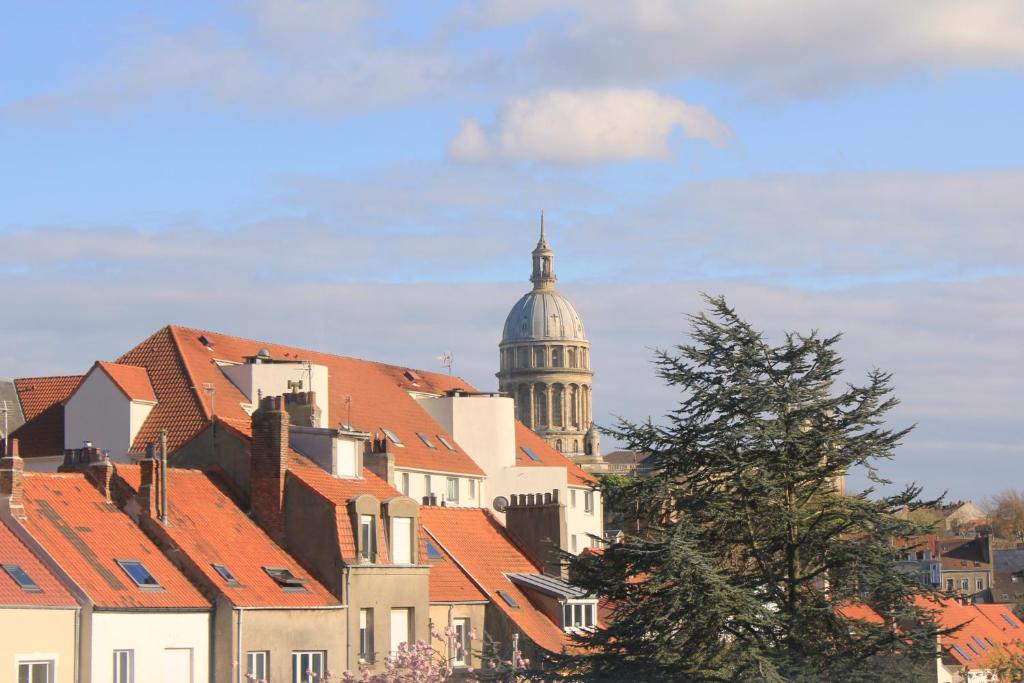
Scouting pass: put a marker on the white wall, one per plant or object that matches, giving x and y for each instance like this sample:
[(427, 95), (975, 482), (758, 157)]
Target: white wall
[(271, 379), (99, 412), (149, 634), (484, 426), (439, 486), (577, 519)]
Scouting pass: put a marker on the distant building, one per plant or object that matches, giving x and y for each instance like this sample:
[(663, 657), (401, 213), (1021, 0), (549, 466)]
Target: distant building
[(627, 463), (959, 567), (544, 365), (1008, 582)]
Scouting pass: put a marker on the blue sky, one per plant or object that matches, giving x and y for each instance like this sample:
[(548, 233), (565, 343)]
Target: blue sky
[(312, 171)]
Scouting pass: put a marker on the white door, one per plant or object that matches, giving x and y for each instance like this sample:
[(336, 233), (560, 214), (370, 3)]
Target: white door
[(178, 665), (399, 627)]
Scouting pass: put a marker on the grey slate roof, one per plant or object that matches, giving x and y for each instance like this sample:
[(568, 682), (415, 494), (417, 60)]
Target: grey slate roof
[(549, 585), (9, 393)]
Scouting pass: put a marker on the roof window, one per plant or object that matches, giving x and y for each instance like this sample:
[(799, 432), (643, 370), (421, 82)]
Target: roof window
[(962, 653), (433, 553), (509, 600), (139, 574), (1009, 621), (978, 641), (22, 578), (392, 437), (226, 574), (446, 443), (530, 454), (286, 579), (426, 440)]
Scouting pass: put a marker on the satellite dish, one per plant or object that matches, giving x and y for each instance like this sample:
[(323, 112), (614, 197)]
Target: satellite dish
[(500, 503)]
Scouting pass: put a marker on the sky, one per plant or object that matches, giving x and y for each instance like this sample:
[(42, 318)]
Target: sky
[(365, 178)]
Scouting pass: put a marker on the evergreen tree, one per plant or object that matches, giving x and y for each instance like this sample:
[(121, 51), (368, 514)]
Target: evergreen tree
[(749, 554)]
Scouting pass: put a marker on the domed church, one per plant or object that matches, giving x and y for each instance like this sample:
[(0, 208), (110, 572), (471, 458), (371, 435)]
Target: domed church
[(545, 364)]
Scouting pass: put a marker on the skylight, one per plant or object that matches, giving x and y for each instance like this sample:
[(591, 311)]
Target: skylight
[(509, 600), (138, 573), (443, 440), (531, 454), (286, 579), (392, 436), (1008, 620), (22, 578), (962, 653), (974, 649), (426, 440), (226, 574), (978, 641), (433, 553)]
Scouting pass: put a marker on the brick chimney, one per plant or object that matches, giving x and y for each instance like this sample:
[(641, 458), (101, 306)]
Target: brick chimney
[(148, 494), (268, 464), (538, 522), (11, 469), (101, 473), (302, 408)]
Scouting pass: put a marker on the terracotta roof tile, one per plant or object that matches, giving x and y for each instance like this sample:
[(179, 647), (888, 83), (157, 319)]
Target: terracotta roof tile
[(481, 545), (42, 401), (209, 527), (987, 623), (52, 592), (447, 582), (130, 379), (86, 536), (548, 456)]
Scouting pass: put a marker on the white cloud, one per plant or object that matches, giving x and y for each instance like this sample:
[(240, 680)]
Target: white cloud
[(777, 47), (587, 126)]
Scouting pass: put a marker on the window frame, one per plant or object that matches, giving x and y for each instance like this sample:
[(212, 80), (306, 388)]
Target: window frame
[(472, 489), (129, 655), (579, 614), (125, 564), (366, 647), (392, 437), (286, 579), (300, 676), (462, 654), (588, 502), (444, 440), (50, 672), (408, 546), (21, 577), (410, 627), (225, 573), (258, 655), (368, 537), (426, 441), (451, 487), (406, 485)]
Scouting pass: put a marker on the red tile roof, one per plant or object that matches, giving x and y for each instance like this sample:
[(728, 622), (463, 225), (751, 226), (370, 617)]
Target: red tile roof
[(209, 527), (132, 380), (86, 535), (448, 583), (42, 401), (481, 545), (52, 592), (548, 456), (990, 624)]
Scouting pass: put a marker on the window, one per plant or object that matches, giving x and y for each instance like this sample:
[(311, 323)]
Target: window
[(432, 552), (588, 502), (964, 584), (558, 444), (462, 643), (556, 357), (570, 356), (392, 437), (572, 497), (949, 584), (39, 671), (427, 484), (980, 584), (530, 454), (257, 663), (401, 540), (308, 667), (509, 600), (538, 358), (226, 574), (124, 666), (368, 537), (405, 483), (452, 492), (524, 357), (426, 440), (447, 444), (366, 635), (22, 578), (401, 627), (139, 574), (575, 545), (577, 615), (286, 579), (472, 489)]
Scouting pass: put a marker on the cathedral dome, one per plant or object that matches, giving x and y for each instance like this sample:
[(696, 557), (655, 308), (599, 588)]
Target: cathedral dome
[(541, 315)]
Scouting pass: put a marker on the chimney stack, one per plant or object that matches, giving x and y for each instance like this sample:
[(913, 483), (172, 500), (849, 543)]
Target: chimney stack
[(268, 464), (538, 522), (101, 473), (147, 495), (11, 469)]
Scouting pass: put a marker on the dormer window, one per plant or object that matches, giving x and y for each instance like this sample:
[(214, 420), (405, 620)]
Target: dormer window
[(284, 578), (368, 537), (578, 615), (392, 437), (22, 578), (138, 573)]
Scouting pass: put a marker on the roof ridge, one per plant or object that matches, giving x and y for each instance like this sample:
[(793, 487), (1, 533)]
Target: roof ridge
[(29, 379), (305, 350)]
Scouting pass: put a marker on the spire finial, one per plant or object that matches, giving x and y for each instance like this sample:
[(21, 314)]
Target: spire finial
[(542, 225)]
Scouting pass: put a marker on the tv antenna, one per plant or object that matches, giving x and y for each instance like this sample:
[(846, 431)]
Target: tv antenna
[(447, 360), (5, 422)]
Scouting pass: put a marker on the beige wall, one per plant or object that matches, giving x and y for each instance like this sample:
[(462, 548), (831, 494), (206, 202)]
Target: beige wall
[(35, 634), (99, 412), (148, 635), (483, 425), (442, 615), (382, 588), (271, 379)]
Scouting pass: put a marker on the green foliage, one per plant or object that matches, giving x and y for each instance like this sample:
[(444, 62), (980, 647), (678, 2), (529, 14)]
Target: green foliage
[(748, 547)]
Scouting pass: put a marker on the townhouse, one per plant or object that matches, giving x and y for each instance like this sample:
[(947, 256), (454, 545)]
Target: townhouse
[(987, 636)]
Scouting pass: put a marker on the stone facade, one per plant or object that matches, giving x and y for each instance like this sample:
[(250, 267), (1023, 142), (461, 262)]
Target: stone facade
[(544, 358)]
